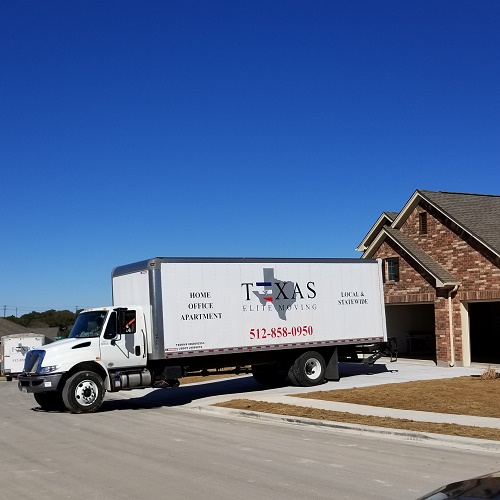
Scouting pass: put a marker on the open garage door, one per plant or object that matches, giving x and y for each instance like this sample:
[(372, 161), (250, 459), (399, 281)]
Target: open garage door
[(414, 328), (484, 331)]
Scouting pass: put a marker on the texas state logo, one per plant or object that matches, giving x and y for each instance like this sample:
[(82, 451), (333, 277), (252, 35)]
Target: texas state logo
[(276, 294)]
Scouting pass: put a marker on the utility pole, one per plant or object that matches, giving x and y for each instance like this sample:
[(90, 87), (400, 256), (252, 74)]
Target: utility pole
[(4, 309)]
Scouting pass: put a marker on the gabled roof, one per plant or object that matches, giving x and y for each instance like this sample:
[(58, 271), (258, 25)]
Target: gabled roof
[(10, 328), (476, 214), (386, 219), (50, 332)]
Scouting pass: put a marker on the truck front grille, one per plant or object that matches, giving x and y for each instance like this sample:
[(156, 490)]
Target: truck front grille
[(33, 360)]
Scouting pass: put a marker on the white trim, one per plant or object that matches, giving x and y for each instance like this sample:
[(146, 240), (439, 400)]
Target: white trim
[(464, 314)]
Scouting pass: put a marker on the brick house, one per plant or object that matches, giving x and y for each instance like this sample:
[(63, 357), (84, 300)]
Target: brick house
[(441, 266)]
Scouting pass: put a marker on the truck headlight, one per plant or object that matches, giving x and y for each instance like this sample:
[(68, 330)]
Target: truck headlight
[(48, 369)]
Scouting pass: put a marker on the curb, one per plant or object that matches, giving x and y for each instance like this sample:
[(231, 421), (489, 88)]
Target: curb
[(404, 435)]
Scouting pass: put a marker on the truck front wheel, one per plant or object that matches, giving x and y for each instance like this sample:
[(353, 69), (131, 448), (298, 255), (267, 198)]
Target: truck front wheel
[(50, 401), (83, 392), (308, 369)]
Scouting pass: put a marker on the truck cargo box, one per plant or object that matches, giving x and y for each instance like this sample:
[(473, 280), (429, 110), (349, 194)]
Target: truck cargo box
[(203, 306)]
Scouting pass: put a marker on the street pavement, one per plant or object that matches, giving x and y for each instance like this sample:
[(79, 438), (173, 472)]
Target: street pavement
[(150, 443), (352, 375), (161, 445), (203, 395)]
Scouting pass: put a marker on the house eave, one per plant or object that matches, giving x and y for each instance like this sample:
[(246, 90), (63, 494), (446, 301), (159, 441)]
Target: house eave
[(439, 282), (371, 235)]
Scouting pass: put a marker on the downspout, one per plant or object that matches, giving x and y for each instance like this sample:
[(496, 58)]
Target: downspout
[(450, 324)]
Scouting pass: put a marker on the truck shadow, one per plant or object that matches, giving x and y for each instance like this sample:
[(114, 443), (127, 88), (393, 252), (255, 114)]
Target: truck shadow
[(237, 385), (352, 369), (185, 394)]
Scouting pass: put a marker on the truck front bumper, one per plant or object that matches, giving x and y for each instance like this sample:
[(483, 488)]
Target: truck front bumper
[(38, 383)]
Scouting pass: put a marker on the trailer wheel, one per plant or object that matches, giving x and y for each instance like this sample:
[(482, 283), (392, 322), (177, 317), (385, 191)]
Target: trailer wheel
[(309, 369), (269, 376), (50, 401), (83, 392)]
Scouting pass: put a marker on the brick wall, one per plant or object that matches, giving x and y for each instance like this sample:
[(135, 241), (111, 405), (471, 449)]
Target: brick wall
[(414, 285), (474, 266)]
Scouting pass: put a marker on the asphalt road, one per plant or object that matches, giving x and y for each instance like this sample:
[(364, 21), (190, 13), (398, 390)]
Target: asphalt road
[(156, 446)]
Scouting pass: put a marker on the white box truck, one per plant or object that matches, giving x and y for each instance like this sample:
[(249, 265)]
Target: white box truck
[(287, 319), (13, 351)]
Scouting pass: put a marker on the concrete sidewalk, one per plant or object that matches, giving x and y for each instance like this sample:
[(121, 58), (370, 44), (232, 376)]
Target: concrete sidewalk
[(358, 375), (419, 416), (391, 373)]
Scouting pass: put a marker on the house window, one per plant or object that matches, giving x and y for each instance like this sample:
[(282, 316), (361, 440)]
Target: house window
[(422, 223), (392, 269)]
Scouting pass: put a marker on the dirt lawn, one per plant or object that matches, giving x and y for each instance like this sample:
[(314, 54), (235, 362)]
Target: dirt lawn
[(462, 395)]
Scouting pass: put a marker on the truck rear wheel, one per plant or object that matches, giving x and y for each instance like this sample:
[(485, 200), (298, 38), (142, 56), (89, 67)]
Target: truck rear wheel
[(83, 392), (308, 369), (50, 401), (291, 376)]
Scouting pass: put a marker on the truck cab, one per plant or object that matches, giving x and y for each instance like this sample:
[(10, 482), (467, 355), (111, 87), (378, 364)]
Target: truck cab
[(103, 344)]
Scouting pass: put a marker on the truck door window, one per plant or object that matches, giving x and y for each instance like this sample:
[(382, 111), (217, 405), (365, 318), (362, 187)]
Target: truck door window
[(130, 322)]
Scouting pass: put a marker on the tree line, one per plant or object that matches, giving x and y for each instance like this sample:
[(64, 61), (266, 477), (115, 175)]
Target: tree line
[(52, 318)]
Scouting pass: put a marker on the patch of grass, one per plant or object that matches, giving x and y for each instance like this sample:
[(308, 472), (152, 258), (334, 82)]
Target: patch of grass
[(386, 422), (461, 396)]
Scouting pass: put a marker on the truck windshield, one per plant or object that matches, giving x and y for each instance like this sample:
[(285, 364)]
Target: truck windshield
[(88, 324)]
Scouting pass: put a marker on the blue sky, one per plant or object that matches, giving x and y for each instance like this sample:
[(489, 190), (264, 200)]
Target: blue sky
[(257, 128)]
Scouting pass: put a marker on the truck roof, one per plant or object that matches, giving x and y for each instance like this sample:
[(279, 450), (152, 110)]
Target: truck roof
[(151, 263)]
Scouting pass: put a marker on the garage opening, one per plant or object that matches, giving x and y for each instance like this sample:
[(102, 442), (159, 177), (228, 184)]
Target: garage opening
[(484, 328), (414, 328)]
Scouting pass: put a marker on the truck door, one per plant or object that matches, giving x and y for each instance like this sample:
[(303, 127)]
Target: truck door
[(126, 348)]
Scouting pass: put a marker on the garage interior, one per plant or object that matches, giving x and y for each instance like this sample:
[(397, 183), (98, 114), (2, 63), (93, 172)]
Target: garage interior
[(413, 325), (484, 332), (414, 328)]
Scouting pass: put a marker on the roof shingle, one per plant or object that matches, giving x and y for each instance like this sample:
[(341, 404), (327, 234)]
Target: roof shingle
[(478, 214)]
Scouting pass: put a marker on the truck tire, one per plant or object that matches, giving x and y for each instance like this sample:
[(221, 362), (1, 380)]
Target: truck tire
[(291, 376), (83, 392), (269, 376), (308, 369), (50, 401)]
